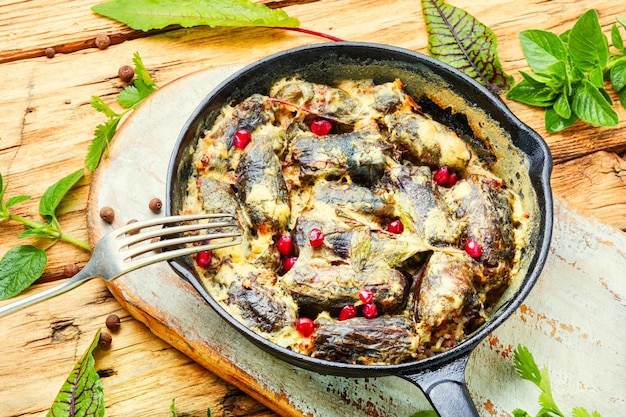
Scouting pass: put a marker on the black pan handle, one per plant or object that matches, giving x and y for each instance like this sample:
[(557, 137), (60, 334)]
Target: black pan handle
[(446, 389)]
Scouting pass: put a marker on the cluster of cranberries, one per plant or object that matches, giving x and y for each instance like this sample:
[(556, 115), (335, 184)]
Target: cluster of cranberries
[(369, 309), (445, 177)]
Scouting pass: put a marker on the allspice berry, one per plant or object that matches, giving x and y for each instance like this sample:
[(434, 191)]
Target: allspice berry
[(70, 270), (132, 232), (113, 322), (107, 214), (126, 73), (105, 339), (50, 52), (103, 41), (155, 205)]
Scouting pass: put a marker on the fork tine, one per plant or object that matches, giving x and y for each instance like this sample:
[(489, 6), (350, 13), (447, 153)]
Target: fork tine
[(128, 240), (162, 221), (133, 251), (164, 256)]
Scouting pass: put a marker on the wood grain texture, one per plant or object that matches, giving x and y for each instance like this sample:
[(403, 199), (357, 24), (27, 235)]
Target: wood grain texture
[(48, 123)]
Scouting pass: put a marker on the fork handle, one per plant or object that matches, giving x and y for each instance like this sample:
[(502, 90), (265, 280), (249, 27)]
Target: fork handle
[(75, 281)]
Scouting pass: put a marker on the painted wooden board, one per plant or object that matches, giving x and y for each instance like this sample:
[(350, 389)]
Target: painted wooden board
[(569, 321)]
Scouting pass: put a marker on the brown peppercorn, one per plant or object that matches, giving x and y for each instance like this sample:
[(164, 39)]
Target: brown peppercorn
[(103, 41), (70, 270), (133, 232), (107, 214), (126, 73), (155, 205), (50, 52), (113, 322), (105, 339)]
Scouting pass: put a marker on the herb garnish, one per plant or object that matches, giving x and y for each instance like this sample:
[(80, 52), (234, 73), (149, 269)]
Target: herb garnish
[(569, 71), (22, 265), (81, 393), (146, 15), (458, 39), (129, 98)]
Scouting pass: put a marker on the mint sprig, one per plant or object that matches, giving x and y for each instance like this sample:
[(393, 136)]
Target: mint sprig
[(569, 73), (129, 98)]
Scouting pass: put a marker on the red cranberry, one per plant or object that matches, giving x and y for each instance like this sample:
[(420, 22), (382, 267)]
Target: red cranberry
[(347, 312), (316, 237), (395, 227), (473, 249), (452, 180), (442, 176), (305, 326), (366, 295), (289, 262), (370, 311), (203, 259), (284, 245), (321, 127), (242, 137)]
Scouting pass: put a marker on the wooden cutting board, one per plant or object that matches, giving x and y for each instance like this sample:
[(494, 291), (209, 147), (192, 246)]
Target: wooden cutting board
[(570, 318)]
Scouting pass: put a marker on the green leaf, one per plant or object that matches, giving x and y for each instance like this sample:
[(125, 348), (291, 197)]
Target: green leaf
[(520, 413), (622, 97), (562, 107), (142, 87), (102, 137), (616, 37), (618, 74), (591, 106), (532, 94), (53, 196), (555, 123), (19, 268), (458, 39), (525, 365), (588, 46), (81, 394), (99, 104), (580, 412), (621, 20), (173, 408), (43, 231), (16, 200), (542, 49), (146, 15)]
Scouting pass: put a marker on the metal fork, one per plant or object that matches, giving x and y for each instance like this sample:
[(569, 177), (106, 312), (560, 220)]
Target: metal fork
[(121, 250)]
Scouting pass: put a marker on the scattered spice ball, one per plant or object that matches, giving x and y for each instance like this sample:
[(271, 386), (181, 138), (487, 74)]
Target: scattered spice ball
[(126, 73), (155, 205), (103, 41), (107, 214), (50, 52), (132, 232), (69, 270), (105, 339), (113, 322)]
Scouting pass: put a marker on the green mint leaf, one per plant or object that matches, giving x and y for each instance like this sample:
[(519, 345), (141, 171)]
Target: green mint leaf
[(591, 106), (81, 394), (621, 20), (19, 268), (533, 94), (44, 231), (102, 137), (588, 46), (542, 49), (99, 104), (618, 74), (562, 107), (622, 97), (53, 196), (146, 15), (555, 123), (458, 39), (616, 38), (16, 200)]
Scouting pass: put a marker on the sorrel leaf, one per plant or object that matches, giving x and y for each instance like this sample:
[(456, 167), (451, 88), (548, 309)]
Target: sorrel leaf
[(81, 394), (146, 15), (19, 268), (458, 39)]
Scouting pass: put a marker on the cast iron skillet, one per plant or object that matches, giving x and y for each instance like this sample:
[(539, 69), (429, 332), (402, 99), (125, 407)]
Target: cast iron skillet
[(441, 377)]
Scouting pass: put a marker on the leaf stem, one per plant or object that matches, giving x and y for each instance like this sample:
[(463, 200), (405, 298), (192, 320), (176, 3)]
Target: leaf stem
[(312, 32), (53, 234)]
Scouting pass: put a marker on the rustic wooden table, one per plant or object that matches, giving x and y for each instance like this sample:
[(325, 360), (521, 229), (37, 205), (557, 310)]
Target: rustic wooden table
[(48, 123)]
